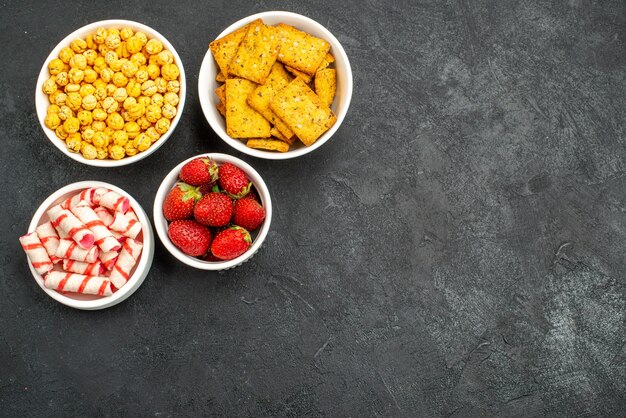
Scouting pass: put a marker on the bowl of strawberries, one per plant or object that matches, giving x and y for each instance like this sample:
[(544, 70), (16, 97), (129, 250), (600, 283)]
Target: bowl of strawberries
[(212, 211)]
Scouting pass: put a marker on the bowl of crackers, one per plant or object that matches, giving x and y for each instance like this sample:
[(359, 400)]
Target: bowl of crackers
[(110, 93), (275, 85)]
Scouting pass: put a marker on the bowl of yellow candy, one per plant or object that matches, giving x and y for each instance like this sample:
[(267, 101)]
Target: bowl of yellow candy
[(111, 93)]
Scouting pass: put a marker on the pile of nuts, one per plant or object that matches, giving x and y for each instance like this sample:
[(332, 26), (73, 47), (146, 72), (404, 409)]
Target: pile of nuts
[(112, 94)]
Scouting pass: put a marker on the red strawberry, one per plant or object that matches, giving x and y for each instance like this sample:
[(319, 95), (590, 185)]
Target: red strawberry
[(231, 243), (214, 209), (248, 213), (191, 237), (179, 202), (199, 171), (234, 181)]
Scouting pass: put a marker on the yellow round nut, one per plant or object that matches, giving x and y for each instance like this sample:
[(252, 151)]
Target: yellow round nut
[(65, 113), (171, 98), (157, 99), (71, 125), (173, 86), (88, 134), (98, 125), (100, 35), (138, 59), (132, 129), (100, 140), (120, 94), (161, 85), (128, 102), (133, 89), (115, 121), (99, 64), (141, 76), (103, 49), (109, 105), (89, 41), (122, 51), (143, 123), (168, 111), (74, 101), (53, 109), (113, 40), (88, 151), (143, 38), (153, 134), (117, 152), (72, 88), (52, 120), (162, 126), (90, 56), (170, 72), (78, 45), (73, 142), (99, 83), (116, 66), (110, 56), (49, 86), (154, 71), (108, 131), (154, 46), (126, 33), (60, 98), (90, 76), (119, 79), (106, 74), (100, 93), (144, 100), (65, 54), (76, 75), (99, 114), (89, 102), (84, 117), (134, 44), (153, 113), (60, 132), (136, 111), (126, 115), (129, 149), (102, 154), (120, 137), (62, 79), (86, 90), (142, 142), (153, 59), (78, 61), (114, 30), (165, 57), (110, 88), (129, 68)]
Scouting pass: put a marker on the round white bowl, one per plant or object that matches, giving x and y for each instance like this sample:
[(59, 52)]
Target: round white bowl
[(42, 102), (160, 223), (209, 69), (139, 272)]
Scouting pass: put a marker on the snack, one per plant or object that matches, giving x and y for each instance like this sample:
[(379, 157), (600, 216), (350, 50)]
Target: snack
[(112, 96), (180, 201), (125, 225), (213, 209), (69, 249), (50, 240), (91, 269), (65, 220), (104, 238), (231, 243), (125, 262), (248, 213), (233, 181), (190, 236), (36, 253), (199, 171), (303, 111), (254, 74), (77, 283)]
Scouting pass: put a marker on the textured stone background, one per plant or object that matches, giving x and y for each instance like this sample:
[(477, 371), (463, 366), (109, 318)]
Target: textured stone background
[(456, 250)]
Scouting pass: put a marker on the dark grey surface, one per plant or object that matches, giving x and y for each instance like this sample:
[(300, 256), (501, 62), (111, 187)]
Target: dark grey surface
[(456, 250)]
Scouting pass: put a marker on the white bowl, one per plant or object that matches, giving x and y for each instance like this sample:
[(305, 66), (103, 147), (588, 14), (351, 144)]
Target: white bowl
[(209, 69), (139, 272), (42, 102), (160, 223)]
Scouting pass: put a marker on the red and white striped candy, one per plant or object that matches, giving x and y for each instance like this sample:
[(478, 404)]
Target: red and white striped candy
[(104, 238), (78, 283), (50, 240), (109, 259), (105, 216), (125, 262), (88, 195), (90, 269), (66, 221), (114, 201), (126, 225), (36, 253), (69, 249)]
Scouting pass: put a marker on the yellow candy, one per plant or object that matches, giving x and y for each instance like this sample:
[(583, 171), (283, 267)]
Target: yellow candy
[(128, 102), (71, 125), (142, 142), (62, 79), (130, 149), (134, 44), (171, 98), (161, 84), (74, 101), (60, 132), (100, 140), (148, 88), (153, 59), (99, 114), (116, 66), (126, 115), (141, 76), (153, 113), (117, 152), (76, 75), (73, 142), (157, 99), (90, 76), (133, 89), (168, 111), (100, 36), (88, 151), (153, 134), (65, 54), (78, 61), (89, 102), (101, 93), (103, 49), (59, 98), (109, 105), (165, 57), (72, 88), (137, 110), (86, 90), (102, 154), (120, 138), (50, 85), (53, 109), (132, 129), (120, 94), (65, 112), (143, 38), (90, 56), (154, 46), (170, 72), (110, 57), (99, 64), (52, 120), (173, 86), (144, 100), (154, 71), (119, 79), (108, 131), (138, 59), (88, 134), (90, 43), (143, 123), (84, 117), (126, 33), (106, 74), (98, 125), (78, 45), (113, 40), (129, 68), (162, 125), (122, 51), (110, 88), (115, 121)]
